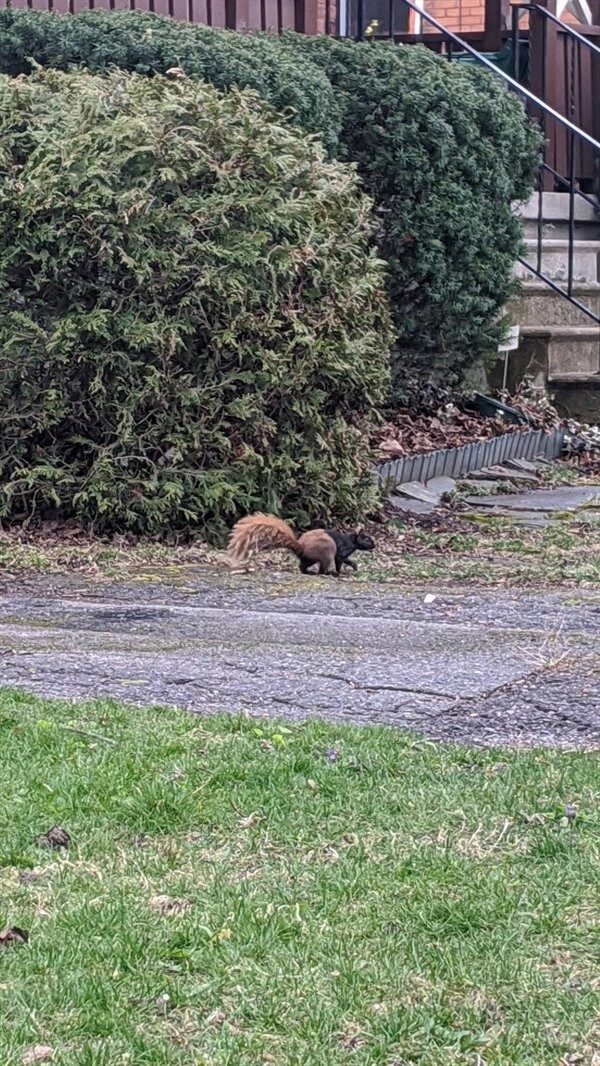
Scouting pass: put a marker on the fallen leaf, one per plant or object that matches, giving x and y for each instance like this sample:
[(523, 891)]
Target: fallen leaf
[(53, 839), (215, 1019), (28, 877), (250, 820), (162, 1003), (312, 785), (168, 905), (37, 1053), (223, 934), (352, 1040), (14, 935)]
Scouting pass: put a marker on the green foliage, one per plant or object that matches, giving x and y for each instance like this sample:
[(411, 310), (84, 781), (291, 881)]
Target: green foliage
[(147, 44), (234, 896), (190, 317), (444, 150)]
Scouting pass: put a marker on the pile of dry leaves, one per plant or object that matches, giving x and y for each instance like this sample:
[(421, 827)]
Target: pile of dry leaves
[(449, 427), (442, 419)]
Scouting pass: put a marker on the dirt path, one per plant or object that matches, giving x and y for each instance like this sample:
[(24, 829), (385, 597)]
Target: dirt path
[(487, 667)]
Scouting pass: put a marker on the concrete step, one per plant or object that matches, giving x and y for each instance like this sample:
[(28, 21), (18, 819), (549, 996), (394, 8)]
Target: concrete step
[(555, 208), (573, 351), (555, 260), (583, 231), (575, 379), (582, 332), (538, 304)]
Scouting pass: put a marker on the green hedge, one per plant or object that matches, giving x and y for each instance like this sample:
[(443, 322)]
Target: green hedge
[(147, 44), (191, 320), (444, 150)]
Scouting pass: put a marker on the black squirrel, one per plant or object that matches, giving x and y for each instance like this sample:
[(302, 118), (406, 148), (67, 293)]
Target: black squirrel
[(329, 548)]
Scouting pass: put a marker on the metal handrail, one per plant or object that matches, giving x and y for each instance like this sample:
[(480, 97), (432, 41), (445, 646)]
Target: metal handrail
[(564, 26), (484, 61)]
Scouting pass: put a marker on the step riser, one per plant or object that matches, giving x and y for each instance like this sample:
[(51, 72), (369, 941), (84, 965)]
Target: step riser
[(559, 231), (556, 207), (572, 356), (548, 309), (555, 264)]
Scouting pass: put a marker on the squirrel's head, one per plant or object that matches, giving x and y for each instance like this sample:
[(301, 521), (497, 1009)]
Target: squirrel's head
[(363, 542)]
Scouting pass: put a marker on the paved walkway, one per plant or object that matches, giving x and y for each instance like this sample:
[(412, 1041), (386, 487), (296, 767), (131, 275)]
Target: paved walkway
[(489, 667)]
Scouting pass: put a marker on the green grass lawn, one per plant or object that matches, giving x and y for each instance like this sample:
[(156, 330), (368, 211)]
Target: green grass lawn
[(234, 894)]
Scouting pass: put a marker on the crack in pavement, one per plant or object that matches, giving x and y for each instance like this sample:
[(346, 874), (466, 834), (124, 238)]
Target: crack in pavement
[(393, 688)]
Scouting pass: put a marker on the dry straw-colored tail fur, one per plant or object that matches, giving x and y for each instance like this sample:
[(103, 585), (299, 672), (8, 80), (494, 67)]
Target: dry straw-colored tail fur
[(258, 531)]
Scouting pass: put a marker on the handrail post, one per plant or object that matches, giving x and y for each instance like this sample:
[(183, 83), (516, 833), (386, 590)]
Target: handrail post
[(543, 57), (230, 14), (360, 20), (492, 31)]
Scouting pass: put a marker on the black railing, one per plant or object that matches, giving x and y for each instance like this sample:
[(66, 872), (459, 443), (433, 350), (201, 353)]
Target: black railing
[(573, 42), (577, 139)]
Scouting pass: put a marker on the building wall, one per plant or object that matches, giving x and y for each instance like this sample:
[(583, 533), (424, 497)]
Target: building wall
[(469, 15), (457, 15)]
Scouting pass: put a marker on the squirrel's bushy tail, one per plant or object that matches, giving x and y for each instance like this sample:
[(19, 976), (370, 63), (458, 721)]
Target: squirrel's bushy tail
[(258, 531)]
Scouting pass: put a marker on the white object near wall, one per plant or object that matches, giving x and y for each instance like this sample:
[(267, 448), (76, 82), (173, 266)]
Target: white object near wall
[(512, 340)]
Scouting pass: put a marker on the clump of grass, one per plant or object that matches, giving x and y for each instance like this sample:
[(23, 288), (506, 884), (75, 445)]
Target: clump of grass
[(498, 551), (243, 891)]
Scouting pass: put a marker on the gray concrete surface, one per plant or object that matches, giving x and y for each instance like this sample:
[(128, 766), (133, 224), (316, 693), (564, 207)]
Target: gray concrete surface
[(489, 667), (567, 498)]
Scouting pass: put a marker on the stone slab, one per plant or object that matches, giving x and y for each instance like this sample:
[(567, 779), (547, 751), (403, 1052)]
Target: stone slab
[(441, 486), (415, 490), (408, 506), (485, 483), (535, 519), (521, 464), (566, 498)]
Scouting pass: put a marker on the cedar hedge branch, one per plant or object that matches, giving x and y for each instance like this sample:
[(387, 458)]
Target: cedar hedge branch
[(190, 315), (101, 41)]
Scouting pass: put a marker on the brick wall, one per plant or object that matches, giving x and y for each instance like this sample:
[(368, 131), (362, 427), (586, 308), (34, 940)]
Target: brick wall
[(469, 15), (457, 15)]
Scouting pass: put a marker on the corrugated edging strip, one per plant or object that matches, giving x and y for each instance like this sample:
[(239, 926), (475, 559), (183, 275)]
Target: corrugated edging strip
[(455, 462)]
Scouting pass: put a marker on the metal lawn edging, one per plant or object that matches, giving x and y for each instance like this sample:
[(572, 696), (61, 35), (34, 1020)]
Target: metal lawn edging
[(455, 462)]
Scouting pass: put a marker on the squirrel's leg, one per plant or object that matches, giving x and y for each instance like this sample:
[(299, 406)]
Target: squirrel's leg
[(330, 565), (327, 572)]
